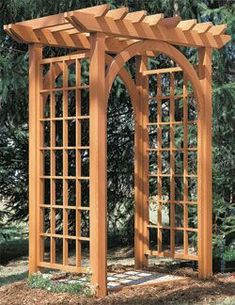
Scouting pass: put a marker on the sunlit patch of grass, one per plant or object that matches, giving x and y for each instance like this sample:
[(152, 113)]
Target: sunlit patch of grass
[(44, 281)]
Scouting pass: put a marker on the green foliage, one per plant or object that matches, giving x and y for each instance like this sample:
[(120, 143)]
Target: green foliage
[(13, 249), (44, 281), (229, 254), (13, 242)]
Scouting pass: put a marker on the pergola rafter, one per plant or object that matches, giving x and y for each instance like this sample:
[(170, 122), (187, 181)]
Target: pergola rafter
[(104, 40), (72, 29)]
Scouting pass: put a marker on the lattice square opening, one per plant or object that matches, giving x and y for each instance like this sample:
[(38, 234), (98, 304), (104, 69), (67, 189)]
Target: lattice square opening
[(192, 215), (192, 189), (46, 217), (152, 110), (179, 241), (153, 137), (71, 192), (71, 74), (46, 162), (46, 247), (153, 160), (46, 111), (46, 132), (46, 191), (166, 240), (153, 186), (166, 214), (152, 85), (166, 162), (153, 239), (71, 133), (179, 215), (179, 110), (72, 162), (166, 136), (192, 243), (71, 103), (165, 110), (58, 191)]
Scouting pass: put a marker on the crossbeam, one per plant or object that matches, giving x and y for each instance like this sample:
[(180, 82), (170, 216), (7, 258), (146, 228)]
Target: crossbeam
[(142, 30), (44, 36)]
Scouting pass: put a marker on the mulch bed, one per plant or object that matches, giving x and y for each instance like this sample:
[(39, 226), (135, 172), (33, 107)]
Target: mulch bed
[(191, 291)]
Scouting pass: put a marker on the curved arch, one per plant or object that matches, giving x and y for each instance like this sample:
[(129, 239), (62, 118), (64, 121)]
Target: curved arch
[(162, 47), (123, 73), (128, 82)]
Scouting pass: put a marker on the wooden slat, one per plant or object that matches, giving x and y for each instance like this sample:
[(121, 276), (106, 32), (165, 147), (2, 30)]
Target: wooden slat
[(205, 166), (35, 55), (114, 45), (153, 19), (163, 70), (58, 19), (67, 237), (185, 163), (65, 163), (145, 156), (24, 33), (66, 268), (142, 30), (170, 22), (172, 163), (59, 38), (64, 39), (44, 22), (218, 29), (78, 164), (98, 11), (141, 165), (73, 31), (169, 254), (46, 36), (202, 27), (118, 13), (61, 27), (71, 207), (10, 33), (52, 73), (174, 228), (136, 16), (98, 172), (169, 175), (159, 163), (186, 25), (69, 57), (81, 39), (65, 177)]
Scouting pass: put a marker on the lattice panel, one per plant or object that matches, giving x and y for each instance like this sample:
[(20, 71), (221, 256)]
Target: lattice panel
[(172, 165), (64, 168)]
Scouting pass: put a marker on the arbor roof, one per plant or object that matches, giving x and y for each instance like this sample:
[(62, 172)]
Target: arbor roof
[(122, 28)]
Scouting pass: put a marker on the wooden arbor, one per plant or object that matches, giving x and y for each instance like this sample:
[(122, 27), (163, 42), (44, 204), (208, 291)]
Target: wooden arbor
[(57, 183)]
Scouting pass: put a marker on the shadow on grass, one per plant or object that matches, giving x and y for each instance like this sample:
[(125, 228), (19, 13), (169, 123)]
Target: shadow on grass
[(13, 249), (13, 278)]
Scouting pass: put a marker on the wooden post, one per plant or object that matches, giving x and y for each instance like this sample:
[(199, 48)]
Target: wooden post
[(205, 167), (35, 55), (98, 157), (141, 166)]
